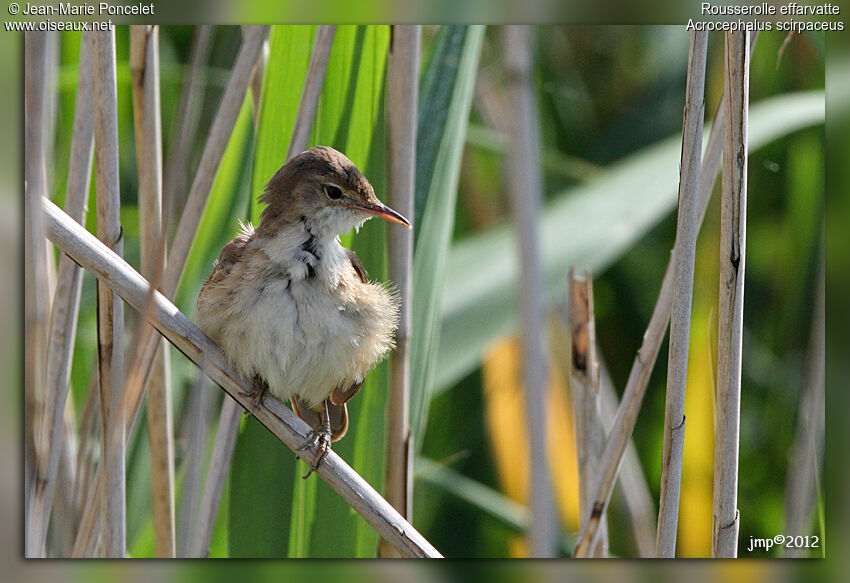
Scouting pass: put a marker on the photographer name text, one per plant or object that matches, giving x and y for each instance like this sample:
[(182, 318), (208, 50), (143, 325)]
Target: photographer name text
[(101, 9)]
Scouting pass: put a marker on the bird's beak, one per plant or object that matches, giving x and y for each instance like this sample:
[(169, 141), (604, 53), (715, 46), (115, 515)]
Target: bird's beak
[(384, 212)]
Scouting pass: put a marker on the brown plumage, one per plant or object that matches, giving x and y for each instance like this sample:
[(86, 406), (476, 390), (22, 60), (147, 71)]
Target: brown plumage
[(291, 307)]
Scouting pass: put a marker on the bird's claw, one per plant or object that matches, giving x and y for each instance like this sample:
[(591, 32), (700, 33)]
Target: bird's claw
[(257, 398), (322, 441)]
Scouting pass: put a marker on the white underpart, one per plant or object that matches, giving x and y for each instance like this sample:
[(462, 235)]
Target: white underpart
[(304, 335)]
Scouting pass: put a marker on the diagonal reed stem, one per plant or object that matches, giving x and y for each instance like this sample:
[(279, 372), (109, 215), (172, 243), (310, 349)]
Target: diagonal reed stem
[(313, 83), (109, 268), (730, 320), (176, 174), (687, 228)]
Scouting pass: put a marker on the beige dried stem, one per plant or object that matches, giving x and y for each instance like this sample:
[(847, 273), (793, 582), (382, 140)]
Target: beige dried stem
[(36, 300), (584, 384), (687, 228), (176, 176), (222, 127), (730, 320), (633, 485), (144, 66), (110, 309), (313, 83), (402, 108), (630, 404), (806, 464), (228, 426), (66, 298), (109, 268), (525, 189)]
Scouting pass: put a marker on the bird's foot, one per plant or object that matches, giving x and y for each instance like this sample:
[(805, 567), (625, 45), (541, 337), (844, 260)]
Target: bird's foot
[(322, 440), (257, 394)]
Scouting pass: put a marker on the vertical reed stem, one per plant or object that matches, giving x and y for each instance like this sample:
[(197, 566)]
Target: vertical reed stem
[(806, 464), (144, 64), (526, 195), (66, 298), (687, 228), (110, 307), (36, 300), (402, 107), (584, 383), (730, 326)]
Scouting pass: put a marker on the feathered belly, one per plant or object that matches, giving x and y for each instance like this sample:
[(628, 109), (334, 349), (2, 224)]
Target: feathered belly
[(303, 339)]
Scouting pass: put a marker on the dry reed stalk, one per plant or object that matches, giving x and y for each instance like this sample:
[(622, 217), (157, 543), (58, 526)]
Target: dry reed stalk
[(402, 108), (730, 321), (584, 383), (313, 83), (806, 465), (624, 422), (214, 148), (257, 73), (219, 466), (176, 174), (109, 268), (631, 479), (66, 296), (36, 299), (228, 427), (144, 66), (110, 309), (196, 428), (526, 195), (687, 228)]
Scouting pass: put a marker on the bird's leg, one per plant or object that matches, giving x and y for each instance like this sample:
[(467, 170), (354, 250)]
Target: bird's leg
[(257, 394), (322, 439)]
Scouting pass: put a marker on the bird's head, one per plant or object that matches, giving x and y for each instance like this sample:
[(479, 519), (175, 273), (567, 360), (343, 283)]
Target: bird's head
[(323, 187)]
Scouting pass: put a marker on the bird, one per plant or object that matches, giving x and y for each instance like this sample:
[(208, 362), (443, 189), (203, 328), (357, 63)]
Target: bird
[(292, 309)]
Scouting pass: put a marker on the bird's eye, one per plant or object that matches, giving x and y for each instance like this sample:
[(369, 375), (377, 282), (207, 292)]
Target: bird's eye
[(333, 191)]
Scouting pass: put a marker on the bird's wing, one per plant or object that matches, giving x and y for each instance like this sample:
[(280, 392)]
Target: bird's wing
[(341, 395), (357, 265), (228, 258)]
